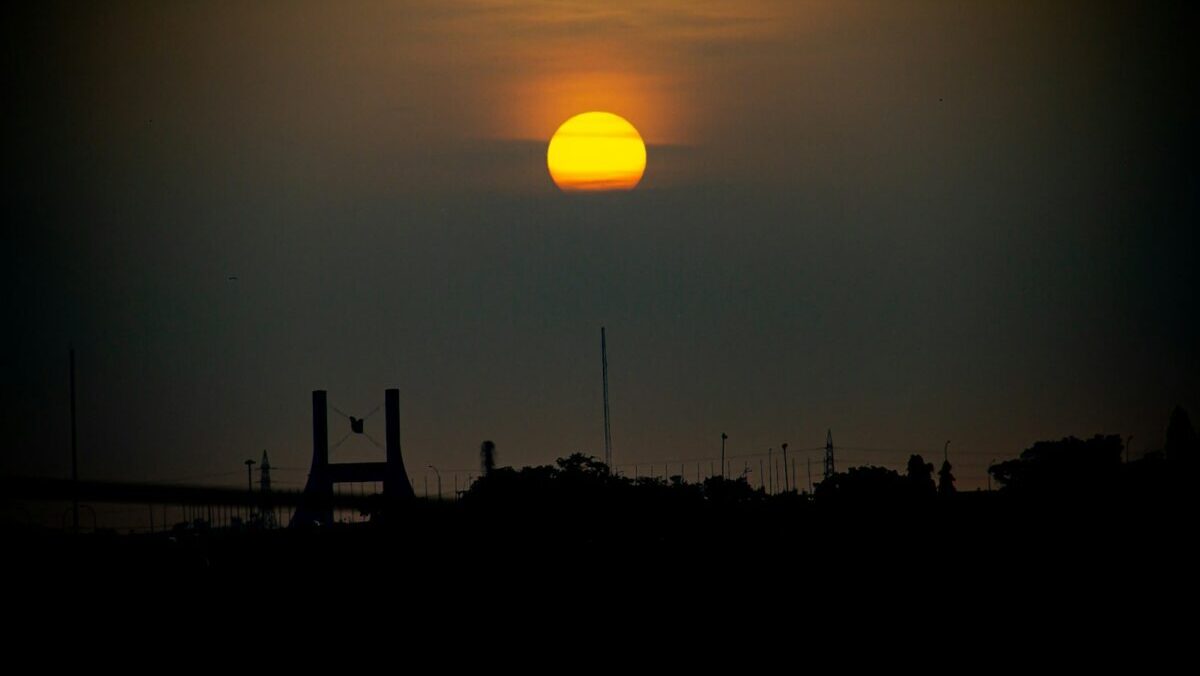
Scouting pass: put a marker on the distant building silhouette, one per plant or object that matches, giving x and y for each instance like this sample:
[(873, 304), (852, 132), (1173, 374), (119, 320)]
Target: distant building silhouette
[(487, 457)]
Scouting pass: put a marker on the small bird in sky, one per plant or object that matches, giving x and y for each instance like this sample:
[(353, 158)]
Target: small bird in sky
[(232, 278)]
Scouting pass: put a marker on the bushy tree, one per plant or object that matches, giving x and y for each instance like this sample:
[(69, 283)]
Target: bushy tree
[(863, 484), (1067, 466), (920, 476)]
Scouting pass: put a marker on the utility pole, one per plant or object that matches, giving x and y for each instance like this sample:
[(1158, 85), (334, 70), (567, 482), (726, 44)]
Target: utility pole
[(249, 475), (74, 451), (771, 471), (808, 462), (607, 428), (762, 476), (786, 486), (723, 438)]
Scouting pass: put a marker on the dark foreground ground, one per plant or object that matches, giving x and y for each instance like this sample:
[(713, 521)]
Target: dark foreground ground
[(804, 550), (1001, 582)]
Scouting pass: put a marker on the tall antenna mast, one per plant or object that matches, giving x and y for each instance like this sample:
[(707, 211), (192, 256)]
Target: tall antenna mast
[(607, 429), (74, 452)]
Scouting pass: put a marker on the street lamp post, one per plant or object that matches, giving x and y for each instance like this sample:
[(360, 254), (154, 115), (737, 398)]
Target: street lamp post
[(439, 480)]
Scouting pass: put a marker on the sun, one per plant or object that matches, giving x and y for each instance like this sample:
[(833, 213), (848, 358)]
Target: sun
[(596, 151)]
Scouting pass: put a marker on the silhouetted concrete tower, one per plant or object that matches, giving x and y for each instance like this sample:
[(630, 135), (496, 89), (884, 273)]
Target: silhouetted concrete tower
[(316, 507)]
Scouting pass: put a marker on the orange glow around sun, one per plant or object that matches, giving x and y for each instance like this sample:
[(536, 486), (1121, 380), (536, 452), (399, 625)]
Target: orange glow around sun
[(596, 151)]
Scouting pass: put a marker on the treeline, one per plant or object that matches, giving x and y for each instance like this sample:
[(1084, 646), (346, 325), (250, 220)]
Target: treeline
[(1069, 468)]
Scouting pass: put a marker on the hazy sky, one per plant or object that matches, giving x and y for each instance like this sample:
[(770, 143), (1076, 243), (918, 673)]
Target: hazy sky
[(905, 221)]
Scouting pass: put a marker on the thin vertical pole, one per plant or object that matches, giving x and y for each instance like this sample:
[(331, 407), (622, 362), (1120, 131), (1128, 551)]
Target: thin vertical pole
[(770, 471), (607, 428), (74, 452), (786, 486)]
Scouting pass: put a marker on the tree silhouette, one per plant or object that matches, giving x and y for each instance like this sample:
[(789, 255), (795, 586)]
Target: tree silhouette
[(1067, 466), (724, 490), (920, 476), (945, 479), (581, 464), (862, 484)]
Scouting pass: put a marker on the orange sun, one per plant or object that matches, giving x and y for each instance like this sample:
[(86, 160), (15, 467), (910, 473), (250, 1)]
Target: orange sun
[(594, 152)]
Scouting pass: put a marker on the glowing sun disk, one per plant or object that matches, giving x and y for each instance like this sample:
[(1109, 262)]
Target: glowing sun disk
[(596, 151)]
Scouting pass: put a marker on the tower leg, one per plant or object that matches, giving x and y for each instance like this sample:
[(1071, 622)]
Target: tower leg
[(396, 484)]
